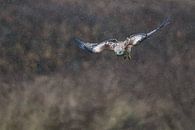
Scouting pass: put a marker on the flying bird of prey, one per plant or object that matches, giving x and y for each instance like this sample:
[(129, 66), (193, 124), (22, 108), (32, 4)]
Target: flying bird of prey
[(121, 48)]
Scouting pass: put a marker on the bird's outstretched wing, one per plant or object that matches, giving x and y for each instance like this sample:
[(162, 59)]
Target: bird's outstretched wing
[(139, 37), (163, 24), (95, 47), (88, 47)]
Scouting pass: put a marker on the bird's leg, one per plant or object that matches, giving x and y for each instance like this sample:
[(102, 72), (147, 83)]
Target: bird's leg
[(125, 55), (129, 56), (129, 51)]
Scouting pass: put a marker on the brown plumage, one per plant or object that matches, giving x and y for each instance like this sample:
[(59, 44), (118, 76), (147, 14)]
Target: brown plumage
[(121, 48)]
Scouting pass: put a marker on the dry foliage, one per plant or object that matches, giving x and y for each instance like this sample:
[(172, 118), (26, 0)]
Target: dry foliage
[(47, 83)]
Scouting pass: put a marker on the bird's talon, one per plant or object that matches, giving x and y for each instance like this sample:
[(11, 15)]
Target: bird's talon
[(125, 57), (129, 57)]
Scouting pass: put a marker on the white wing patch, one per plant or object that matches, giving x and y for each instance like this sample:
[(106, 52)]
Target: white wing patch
[(137, 38)]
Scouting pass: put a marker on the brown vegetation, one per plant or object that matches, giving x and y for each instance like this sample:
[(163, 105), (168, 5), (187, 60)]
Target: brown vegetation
[(47, 83)]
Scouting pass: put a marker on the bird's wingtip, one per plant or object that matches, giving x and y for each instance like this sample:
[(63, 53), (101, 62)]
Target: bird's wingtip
[(81, 44), (167, 21), (78, 42)]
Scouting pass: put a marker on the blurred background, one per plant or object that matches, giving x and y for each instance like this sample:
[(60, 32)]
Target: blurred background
[(48, 83)]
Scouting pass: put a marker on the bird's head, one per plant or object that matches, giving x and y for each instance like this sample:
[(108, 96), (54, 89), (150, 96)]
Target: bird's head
[(119, 51)]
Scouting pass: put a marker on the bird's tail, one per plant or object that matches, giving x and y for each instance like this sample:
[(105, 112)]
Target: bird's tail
[(163, 24)]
